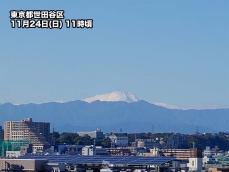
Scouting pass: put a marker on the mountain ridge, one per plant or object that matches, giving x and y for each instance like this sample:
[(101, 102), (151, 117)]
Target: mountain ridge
[(139, 116)]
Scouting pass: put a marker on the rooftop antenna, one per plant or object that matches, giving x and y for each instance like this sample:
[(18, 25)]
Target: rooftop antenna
[(152, 131), (152, 128), (94, 148), (53, 140), (197, 130), (94, 142), (193, 145)]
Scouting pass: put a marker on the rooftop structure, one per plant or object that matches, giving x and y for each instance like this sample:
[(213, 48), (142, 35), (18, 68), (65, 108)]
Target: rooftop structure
[(72, 163), (112, 160)]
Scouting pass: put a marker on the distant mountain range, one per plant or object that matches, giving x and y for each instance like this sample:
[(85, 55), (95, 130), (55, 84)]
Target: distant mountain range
[(116, 111)]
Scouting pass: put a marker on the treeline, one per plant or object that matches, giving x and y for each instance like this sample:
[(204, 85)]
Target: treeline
[(220, 140), (167, 140), (177, 140), (75, 139)]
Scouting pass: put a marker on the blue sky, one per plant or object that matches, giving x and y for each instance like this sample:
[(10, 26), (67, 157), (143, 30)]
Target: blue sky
[(175, 52)]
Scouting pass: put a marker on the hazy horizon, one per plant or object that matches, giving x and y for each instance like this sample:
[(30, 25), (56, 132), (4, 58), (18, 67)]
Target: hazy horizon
[(162, 104)]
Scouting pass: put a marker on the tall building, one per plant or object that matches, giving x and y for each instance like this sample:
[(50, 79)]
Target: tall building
[(37, 133), (1, 133)]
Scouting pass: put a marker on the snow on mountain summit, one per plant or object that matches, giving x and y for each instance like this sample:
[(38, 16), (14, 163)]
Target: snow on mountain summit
[(113, 96)]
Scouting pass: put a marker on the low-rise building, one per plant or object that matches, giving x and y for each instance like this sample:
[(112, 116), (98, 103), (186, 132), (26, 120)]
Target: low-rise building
[(147, 143), (155, 152), (13, 154), (69, 149), (195, 164), (119, 151), (119, 140), (208, 152), (182, 154), (97, 134), (218, 169), (93, 150), (22, 164)]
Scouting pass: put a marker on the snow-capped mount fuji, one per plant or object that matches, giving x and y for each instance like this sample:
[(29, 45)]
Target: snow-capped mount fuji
[(114, 96)]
